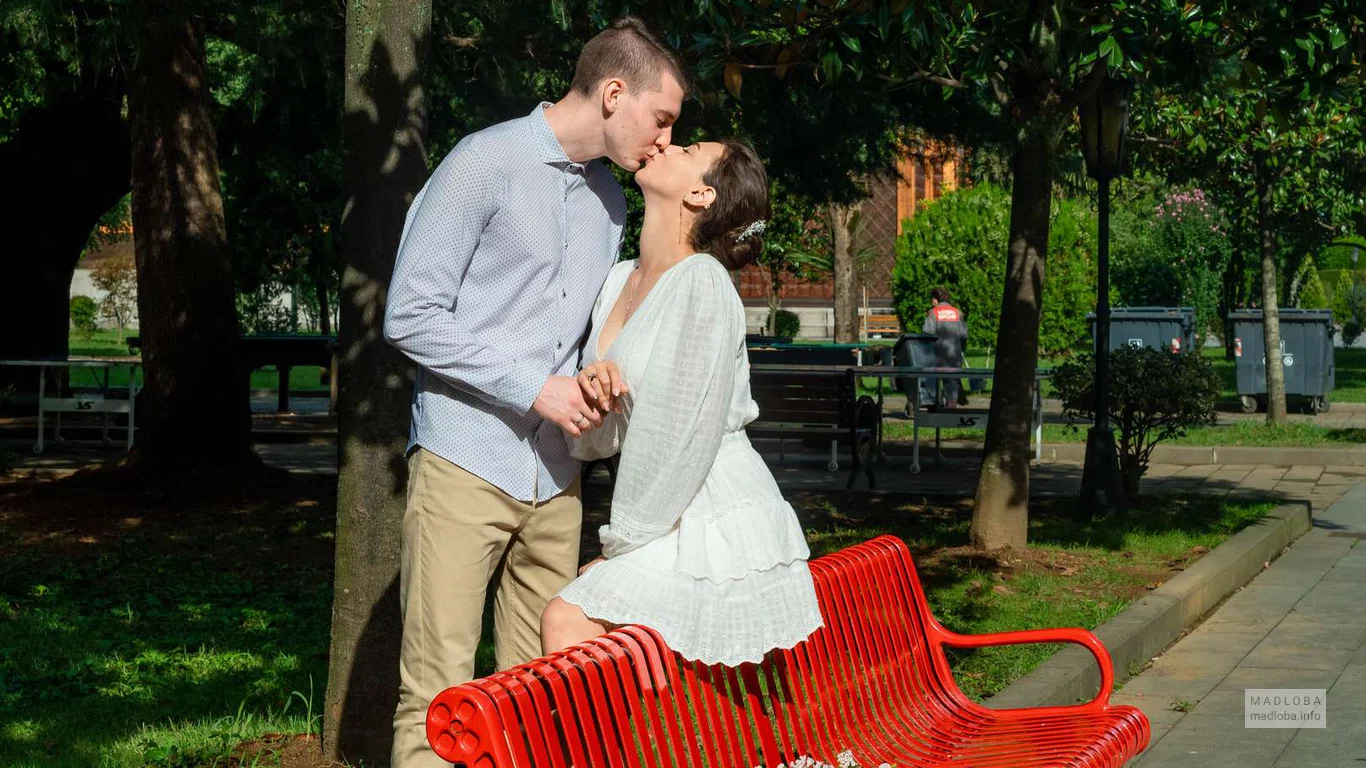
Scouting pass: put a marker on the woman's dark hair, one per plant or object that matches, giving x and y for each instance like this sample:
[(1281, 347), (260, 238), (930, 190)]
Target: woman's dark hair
[(741, 186), (940, 294)]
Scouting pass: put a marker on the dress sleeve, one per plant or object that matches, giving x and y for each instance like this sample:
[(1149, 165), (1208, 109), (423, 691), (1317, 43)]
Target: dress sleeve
[(678, 410)]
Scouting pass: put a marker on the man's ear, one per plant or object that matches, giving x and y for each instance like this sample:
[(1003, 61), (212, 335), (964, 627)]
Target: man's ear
[(613, 91)]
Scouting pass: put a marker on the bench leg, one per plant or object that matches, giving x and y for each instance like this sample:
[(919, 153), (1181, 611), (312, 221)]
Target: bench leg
[(282, 396), (834, 465)]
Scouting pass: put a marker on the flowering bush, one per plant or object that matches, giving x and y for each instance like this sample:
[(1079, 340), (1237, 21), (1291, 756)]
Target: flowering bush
[(1173, 255), (844, 759)]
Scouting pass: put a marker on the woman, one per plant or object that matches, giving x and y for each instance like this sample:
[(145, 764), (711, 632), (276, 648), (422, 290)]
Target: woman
[(701, 547)]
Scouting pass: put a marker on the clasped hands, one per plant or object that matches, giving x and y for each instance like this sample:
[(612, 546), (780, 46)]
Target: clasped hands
[(577, 404)]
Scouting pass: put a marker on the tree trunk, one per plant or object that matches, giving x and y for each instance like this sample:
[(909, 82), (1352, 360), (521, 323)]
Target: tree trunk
[(1000, 517), (73, 150), (1271, 319), (196, 413), (846, 289), (385, 166)]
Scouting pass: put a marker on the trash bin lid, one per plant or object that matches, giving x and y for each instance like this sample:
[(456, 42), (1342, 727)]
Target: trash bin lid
[(1290, 314)]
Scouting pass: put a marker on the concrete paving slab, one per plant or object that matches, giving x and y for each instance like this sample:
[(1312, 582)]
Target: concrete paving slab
[(1195, 741)]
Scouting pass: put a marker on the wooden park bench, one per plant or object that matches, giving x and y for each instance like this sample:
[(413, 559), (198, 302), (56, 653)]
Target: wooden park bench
[(881, 325), (874, 681), (815, 402)]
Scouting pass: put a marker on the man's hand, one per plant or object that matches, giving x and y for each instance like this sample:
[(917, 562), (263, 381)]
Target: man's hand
[(602, 383), (561, 402)]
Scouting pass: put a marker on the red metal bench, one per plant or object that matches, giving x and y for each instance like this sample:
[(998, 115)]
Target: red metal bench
[(874, 681)]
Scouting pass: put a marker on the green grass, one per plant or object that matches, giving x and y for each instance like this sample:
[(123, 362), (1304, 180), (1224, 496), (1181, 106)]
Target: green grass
[(104, 343), (1078, 573), (160, 627), (135, 624), (1249, 432)]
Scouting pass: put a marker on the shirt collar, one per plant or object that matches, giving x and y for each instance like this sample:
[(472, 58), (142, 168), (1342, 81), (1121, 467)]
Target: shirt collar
[(547, 146)]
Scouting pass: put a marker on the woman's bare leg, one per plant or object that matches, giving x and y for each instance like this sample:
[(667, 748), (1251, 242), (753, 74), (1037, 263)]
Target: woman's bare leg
[(563, 625)]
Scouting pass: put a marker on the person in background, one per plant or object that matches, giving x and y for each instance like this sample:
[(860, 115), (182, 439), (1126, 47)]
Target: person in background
[(946, 323)]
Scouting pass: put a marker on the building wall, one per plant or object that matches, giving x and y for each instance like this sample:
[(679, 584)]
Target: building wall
[(923, 176)]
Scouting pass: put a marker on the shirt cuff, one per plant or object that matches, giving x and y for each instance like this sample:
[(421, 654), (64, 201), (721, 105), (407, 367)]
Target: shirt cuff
[(522, 386)]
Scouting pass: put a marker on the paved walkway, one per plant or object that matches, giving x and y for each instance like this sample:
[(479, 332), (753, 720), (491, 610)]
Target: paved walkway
[(1300, 624)]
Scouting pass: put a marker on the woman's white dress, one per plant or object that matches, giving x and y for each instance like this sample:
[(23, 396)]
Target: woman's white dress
[(701, 546)]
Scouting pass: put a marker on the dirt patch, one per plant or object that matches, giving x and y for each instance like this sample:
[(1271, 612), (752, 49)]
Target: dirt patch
[(279, 750)]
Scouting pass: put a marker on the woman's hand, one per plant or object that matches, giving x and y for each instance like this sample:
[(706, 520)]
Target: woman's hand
[(602, 384), (590, 564)]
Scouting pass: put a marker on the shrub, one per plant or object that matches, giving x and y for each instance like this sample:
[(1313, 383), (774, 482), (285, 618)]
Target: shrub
[(959, 242), (1154, 396), (84, 311), (1172, 253), (787, 324), (1308, 288)]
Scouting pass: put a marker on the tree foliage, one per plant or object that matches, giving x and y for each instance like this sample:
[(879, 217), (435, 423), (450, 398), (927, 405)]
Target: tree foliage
[(951, 243)]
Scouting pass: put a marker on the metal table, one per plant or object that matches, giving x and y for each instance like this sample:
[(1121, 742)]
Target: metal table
[(949, 418), (95, 398)]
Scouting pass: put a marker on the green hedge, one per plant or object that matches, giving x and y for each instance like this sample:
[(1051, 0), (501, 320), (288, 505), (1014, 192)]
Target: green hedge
[(959, 242)]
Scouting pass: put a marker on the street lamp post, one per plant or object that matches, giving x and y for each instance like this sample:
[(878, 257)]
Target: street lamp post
[(1104, 123)]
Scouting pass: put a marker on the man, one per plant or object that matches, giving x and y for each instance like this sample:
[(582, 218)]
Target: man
[(502, 257), (951, 332)]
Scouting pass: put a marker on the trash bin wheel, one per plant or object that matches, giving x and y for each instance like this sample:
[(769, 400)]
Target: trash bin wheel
[(1248, 403)]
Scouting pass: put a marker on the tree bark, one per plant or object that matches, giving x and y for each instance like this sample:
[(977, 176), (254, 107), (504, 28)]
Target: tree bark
[(196, 413), (846, 288), (1000, 516), (385, 167), (73, 157), (1271, 319)]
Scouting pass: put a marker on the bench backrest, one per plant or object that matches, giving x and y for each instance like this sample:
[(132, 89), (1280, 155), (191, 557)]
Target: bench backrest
[(624, 699), (796, 397), (880, 324)]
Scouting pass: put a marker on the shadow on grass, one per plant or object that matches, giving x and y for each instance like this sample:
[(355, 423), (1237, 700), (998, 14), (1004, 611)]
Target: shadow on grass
[(121, 608)]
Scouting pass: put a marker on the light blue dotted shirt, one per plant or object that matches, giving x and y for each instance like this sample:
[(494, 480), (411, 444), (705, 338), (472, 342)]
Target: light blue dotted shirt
[(502, 256)]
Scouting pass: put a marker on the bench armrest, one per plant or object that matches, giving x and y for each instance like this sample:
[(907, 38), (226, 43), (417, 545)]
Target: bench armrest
[(1084, 638)]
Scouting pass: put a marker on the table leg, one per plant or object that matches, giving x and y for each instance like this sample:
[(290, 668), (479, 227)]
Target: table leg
[(914, 405), (282, 401), (132, 402), (42, 393)]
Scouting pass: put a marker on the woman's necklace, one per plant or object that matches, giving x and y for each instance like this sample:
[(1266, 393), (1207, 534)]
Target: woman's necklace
[(631, 299)]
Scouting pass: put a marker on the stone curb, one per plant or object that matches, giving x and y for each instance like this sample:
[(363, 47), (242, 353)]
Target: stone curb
[(1152, 623)]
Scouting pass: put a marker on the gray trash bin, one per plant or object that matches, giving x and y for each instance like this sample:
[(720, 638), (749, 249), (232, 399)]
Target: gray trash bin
[(1306, 356), (917, 351), (1171, 328)]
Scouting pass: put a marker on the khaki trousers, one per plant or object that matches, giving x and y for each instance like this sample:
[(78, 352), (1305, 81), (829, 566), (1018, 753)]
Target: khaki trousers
[(457, 528)]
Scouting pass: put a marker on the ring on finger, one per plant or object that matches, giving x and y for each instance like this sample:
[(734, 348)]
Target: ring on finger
[(578, 420), (592, 377)]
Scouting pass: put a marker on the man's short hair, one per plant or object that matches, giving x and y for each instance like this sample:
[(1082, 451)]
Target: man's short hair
[(940, 294), (628, 50)]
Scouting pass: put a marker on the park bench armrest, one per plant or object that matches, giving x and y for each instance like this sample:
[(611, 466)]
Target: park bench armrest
[(1084, 638)]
